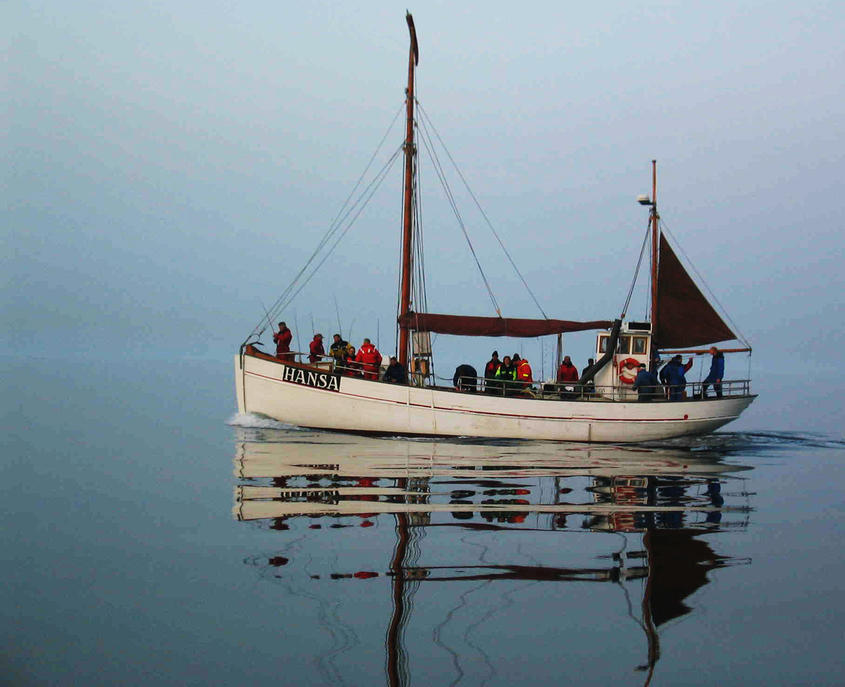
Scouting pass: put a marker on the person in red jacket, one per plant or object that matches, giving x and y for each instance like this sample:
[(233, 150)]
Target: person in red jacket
[(282, 339), (370, 359), (567, 375), (316, 349), (523, 374), (567, 371)]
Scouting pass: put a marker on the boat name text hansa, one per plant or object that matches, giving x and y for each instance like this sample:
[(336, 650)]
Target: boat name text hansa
[(319, 380)]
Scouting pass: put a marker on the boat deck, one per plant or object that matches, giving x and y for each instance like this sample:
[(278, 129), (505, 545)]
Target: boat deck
[(541, 391)]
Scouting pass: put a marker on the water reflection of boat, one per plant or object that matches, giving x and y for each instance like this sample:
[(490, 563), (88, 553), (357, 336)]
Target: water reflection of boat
[(659, 501), (324, 473)]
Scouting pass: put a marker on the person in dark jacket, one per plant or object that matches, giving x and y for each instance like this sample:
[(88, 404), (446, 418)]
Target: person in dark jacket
[(505, 376), (465, 378), (590, 386), (645, 384), (490, 370), (395, 373), (673, 376), (283, 338), (338, 349), (717, 372), (350, 366)]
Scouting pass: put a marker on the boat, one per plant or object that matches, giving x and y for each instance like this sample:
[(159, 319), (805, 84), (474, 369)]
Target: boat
[(601, 407)]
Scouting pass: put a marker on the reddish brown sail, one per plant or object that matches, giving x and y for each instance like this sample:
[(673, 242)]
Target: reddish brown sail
[(684, 316), (464, 325)]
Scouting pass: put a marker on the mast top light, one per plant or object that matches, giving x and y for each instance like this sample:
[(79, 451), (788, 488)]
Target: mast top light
[(644, 200)]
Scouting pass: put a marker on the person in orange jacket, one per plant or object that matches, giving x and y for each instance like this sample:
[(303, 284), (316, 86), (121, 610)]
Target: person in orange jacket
[(523, 373), (370, 359)]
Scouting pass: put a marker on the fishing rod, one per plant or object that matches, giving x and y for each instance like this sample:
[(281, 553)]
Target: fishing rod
[(298, 340), (337, 312), (269, 321)]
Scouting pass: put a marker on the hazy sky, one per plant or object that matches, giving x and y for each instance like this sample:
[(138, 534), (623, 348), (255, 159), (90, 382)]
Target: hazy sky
[(170, 165)]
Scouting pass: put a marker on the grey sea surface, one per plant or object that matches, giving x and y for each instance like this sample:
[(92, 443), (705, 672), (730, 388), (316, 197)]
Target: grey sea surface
[(151, 536)]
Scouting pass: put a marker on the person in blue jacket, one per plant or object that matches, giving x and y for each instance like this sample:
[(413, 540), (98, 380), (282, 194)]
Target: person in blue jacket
[(717, 372), (645, 384), (673, 375)]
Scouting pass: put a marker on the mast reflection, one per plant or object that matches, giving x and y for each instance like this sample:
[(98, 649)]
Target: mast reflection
[(660, 502)]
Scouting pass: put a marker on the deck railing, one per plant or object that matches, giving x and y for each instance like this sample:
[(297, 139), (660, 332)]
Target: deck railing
[(589, 392), (550, 391)]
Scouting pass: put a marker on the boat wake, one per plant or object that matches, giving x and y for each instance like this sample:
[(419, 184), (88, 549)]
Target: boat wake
[(255, 427), (253, 421), (751, 442)]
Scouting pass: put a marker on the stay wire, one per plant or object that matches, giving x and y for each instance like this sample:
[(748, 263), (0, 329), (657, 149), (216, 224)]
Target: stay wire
[(342, 214), (483, 214), (636, 274), (427, 142), (372, 188), (369, 164), (364, 197), (296, 285)]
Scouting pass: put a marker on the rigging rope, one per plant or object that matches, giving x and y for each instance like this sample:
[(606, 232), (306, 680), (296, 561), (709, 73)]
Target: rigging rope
[(334, 232), (427, 119), (369, 164), (636, 274), (740, 335), (344, 212), (426, 139), (372, 188)]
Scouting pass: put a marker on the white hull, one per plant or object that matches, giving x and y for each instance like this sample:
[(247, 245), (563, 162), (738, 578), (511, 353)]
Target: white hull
[(358, 405)]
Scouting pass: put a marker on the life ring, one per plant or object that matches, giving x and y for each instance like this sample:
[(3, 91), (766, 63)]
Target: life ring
[(628, 370)]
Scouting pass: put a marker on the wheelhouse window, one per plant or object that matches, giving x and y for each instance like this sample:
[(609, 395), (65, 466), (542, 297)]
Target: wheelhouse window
[(640, 345), (623, 346), (603, 343)]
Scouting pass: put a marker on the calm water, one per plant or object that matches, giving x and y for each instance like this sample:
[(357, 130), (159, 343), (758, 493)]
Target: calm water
[(151, 537)]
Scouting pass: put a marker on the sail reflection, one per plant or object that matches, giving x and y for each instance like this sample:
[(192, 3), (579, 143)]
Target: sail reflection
[(658, 503)]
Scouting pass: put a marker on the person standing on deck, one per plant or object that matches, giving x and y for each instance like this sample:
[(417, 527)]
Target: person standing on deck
[(567, 372), (465, 378), (490, 370), (338, 349), (370, 359), (673, 376), (717, 372), (505, 376), (316, 349), (283, 338), (523, 374), (645, 384), (349, 366), (567, 375), (492, 366), (395, 373), (590, 386)]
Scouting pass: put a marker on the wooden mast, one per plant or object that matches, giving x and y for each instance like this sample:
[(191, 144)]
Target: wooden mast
[(654, 258), (407, 215)]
